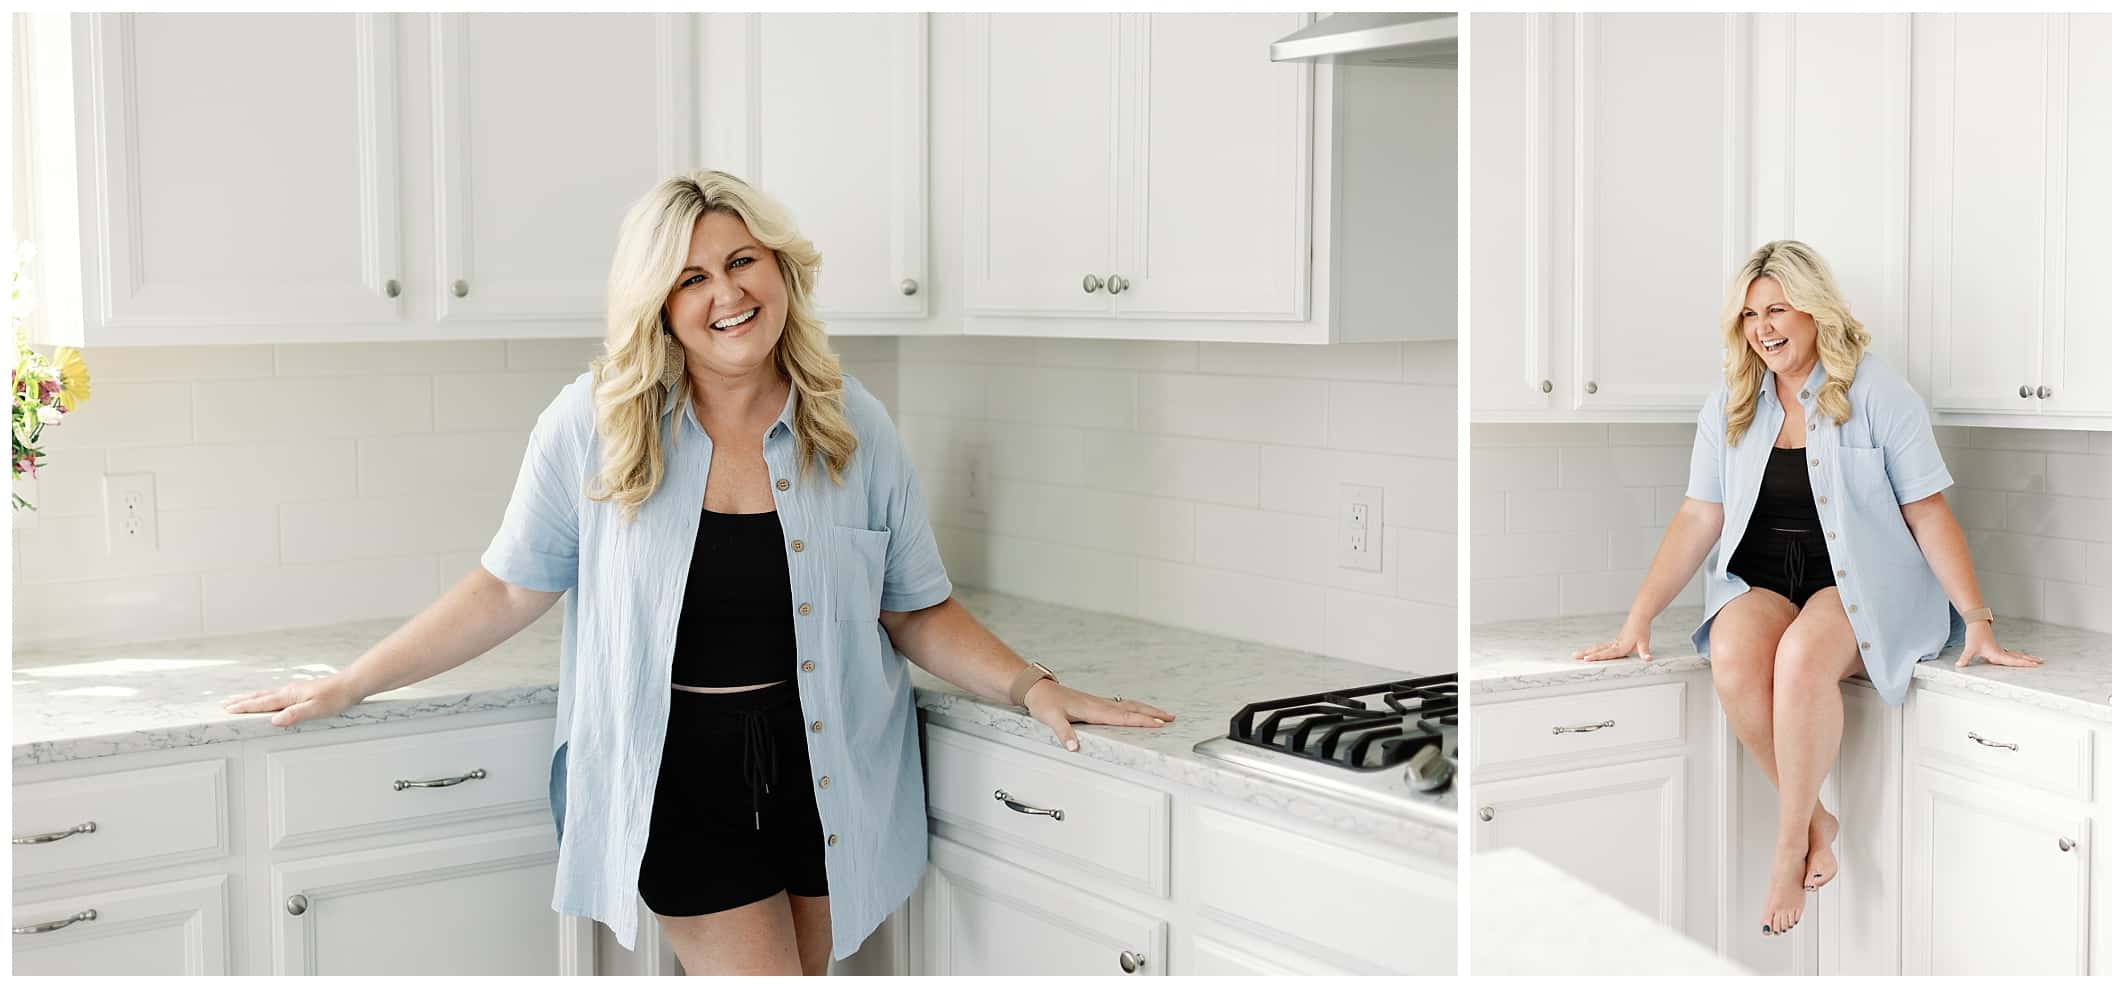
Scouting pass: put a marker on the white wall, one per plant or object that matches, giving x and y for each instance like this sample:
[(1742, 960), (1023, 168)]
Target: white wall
[(1566, 517), (296, 485), (1195, 484)]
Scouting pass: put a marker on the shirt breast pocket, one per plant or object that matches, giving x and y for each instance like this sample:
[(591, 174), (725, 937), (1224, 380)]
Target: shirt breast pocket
[(1865, 474), (858, 572)]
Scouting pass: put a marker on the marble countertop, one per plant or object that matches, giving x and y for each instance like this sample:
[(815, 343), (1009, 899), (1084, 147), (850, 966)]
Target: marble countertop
[(1528, 916), (1519, 655), (106, 700)]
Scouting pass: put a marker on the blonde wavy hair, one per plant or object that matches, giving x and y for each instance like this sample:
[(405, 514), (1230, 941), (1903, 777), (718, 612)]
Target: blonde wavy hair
[(627, 379), (1840, 338)]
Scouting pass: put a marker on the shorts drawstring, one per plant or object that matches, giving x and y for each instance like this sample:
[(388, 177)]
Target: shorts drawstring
[(759, 756), (1795, 561)]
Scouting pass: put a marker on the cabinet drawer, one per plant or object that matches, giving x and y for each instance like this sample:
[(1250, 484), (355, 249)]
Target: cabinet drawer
[(142, 818), (1113, 829), (1577, 724), (2028, 747), (345, 790), (178, 928)]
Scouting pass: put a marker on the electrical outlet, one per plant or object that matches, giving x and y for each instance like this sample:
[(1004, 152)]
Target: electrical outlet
[(129, 514), (1358, 532)]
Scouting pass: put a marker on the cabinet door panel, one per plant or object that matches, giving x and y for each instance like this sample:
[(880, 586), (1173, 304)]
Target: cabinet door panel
[(1618, 827), (215, 204), (174, 928), (987, 917), (854, 85), (1658, 136), (536, 167), (1983, 78), (1216, 157), (1041, 166), (463, 905), (2076, 357), (1998, 883), (1508, 183)]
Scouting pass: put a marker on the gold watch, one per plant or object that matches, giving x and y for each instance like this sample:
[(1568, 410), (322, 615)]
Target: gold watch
[(1034, 672), (1980, 614)]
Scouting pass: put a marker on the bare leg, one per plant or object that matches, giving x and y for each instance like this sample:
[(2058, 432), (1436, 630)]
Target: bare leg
[(1808, 726), (814, 930), (756, 938)]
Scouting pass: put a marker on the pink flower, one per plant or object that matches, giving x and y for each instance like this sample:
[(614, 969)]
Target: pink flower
[(26, 465), (45, 391)]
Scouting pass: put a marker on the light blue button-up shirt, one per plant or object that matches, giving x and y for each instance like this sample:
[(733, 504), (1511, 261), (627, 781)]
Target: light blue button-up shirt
[(867, 547), (1881, 459)]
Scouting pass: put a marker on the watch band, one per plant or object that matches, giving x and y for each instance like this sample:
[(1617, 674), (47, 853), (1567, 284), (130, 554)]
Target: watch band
[(1033, 673), (1980, 614)]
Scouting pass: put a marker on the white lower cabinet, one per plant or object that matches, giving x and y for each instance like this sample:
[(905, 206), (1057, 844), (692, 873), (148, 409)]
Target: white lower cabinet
[(1977, 847), (1618, 827), (171, 928), (983, 916)]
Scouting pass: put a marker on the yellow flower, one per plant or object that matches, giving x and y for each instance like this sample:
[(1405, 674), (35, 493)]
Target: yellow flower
[(73, 377)]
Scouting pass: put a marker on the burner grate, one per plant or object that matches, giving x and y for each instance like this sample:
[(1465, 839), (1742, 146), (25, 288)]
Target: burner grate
[(1342, 727)]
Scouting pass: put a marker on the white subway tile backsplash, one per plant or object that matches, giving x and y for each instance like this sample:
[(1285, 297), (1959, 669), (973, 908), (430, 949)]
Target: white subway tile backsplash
[(2083, 519), (1578, 510), (295, 596), (319, 531), (572, 355), (1997, 470), (1425, 567), (113, 365), (1509, 598), (454, 463), (69, 483), (2077, 474), (2077, 605), (1087, 398), (1502, 469), (95, 612), (1419, 493), (1256, 409), (311, 408), (1349, 362), (1418, 638), (1431, 363), (1239, 605), (1193, 469), (494, 402), (1066, 574), (188, 541), (1527, 554), (252, 473), (341, 359), (141, 413), (1404, 419)]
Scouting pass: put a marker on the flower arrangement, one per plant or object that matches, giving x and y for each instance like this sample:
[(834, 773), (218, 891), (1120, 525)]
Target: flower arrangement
[(46, 389)]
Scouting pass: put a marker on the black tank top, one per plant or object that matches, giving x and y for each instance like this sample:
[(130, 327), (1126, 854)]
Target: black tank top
[(1784, 510), (735, 627)]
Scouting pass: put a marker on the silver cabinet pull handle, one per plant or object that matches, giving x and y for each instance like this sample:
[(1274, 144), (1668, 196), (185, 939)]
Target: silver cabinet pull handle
[(298, 904), (2008, 745), (83, 828), (391, 288), (1582, 728), (1487, 814), (2026, 391), (1004, 798), (85, 915), (1131, 962), (2067, 844), (2043, 391), (1547, 386), (1091, 283), (1115, 284), (402, 785), (908, 286)]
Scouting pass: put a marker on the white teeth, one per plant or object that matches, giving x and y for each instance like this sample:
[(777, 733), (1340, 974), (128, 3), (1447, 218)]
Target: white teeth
[(737, 319)]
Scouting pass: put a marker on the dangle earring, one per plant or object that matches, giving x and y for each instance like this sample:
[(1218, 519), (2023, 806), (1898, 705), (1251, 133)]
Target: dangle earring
[(674, 360)]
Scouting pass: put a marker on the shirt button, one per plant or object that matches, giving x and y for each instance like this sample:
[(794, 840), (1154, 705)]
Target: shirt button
[(782, 484), (807, 666), (1840, 574), (1810, 427), (797, 544), (1815, 462), (1822, 500), (817, 726), (1804, 394), (1854, 608), (832, 839), (1865, 644), (1832, 536), (825, 780), (806, 608)]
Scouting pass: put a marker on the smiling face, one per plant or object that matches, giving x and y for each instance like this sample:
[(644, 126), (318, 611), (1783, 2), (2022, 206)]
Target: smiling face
[(1778, 333), (729, 304)]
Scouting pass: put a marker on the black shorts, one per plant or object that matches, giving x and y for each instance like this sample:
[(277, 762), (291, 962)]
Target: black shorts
[(735, 819), (1793, 564)]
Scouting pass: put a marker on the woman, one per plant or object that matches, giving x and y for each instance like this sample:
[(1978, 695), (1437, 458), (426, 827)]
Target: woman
[(748, 570), (1839, 553)]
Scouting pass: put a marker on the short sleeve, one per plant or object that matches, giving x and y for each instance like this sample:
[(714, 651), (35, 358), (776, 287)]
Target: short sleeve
[(535, 547), (1707, 461), (914, 569), (1904, 428)]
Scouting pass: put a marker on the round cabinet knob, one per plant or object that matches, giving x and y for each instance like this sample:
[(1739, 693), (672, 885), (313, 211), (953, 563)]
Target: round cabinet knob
[(1547, 386), (391, 288), (1115, 284), (908, 287), (459, 288), (1592, 387), (2026, 391), (2067, 844), (1091, 283), (1487, 814), (1131, 962), (298, 904), (2043, 391)]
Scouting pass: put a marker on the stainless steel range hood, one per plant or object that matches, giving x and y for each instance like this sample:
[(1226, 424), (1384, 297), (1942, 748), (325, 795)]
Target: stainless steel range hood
[(1405, 39)]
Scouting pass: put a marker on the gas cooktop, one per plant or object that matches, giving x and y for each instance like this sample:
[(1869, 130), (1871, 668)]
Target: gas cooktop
[(1391, 744)]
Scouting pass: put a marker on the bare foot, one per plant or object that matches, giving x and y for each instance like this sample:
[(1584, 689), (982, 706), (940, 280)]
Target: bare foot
[(1785, 900), (1821, 858)]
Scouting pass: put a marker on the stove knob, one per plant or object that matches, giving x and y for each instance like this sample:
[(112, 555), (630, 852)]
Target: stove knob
[(1487, 814)]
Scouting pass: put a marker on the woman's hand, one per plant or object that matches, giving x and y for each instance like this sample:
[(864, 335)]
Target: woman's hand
[(1980, 644), (307, 700), (1633, 637), (1057, 706)]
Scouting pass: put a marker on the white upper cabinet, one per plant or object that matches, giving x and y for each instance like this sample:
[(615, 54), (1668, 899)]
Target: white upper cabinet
[(534, 168), (830, 115), (1513, 357), (212, 207), (1042, 170), (2076, 347)]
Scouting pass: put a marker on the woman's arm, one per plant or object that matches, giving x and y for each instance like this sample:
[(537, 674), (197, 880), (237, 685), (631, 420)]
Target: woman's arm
[(1946, 550), (1690, 536), (949, 643)]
